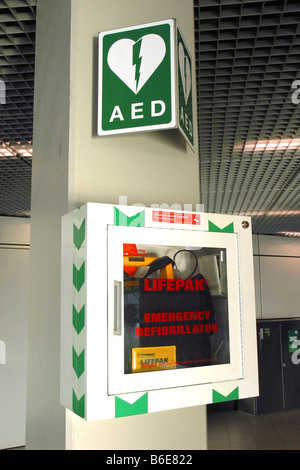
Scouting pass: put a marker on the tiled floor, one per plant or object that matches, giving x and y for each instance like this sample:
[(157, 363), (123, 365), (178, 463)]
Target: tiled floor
[(235, 430)]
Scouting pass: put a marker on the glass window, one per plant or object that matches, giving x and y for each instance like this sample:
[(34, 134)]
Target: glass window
[(175, 307)]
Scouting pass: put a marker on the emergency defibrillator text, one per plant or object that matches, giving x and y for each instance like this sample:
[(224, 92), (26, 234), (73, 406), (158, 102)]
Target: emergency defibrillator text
[(176, 316), (177, 329)]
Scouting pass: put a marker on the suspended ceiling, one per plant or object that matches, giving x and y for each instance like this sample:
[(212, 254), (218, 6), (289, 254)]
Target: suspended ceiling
[(17, 54), (247, 62), (248, 59)]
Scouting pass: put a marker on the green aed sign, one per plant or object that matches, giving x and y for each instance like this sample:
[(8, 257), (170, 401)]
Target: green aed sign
[(139, 86), (184, 62)]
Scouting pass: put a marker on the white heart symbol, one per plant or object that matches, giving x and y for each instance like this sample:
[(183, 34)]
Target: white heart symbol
[(135, 62), (185, 72)]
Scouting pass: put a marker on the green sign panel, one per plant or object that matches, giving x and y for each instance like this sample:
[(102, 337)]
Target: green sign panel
[(293, 340), (145, 80), (185, 89), (136, 79)]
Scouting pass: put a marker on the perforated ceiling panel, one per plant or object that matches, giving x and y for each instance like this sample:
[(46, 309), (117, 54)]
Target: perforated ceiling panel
[(247, 62), (248, 58), (17, 57)]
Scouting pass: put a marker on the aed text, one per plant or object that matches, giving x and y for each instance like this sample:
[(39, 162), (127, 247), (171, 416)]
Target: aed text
[(157, 108), (175, 284), (186, 122)]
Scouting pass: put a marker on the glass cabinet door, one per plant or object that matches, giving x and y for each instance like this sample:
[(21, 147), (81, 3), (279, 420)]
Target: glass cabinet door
[(173, 308)]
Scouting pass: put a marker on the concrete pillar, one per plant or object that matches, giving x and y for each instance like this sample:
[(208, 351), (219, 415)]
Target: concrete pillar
[(71, 166)]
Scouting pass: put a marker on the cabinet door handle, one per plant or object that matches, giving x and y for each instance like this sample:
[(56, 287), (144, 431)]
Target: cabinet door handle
[(117, 308)]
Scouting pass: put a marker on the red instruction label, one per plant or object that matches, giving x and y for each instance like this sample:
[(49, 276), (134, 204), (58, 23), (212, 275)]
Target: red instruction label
[(175, 217)]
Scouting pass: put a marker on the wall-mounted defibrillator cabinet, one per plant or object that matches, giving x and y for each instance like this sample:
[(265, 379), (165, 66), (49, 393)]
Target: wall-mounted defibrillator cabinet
[(158, 310)]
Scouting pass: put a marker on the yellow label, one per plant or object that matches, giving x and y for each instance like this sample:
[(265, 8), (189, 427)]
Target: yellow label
[(149, 359)]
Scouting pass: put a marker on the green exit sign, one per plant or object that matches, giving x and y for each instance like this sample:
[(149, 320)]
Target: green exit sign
[(145, 80)]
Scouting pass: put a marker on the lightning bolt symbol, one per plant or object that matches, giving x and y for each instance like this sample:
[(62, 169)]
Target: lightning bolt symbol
[(185, 74), (137, 60)]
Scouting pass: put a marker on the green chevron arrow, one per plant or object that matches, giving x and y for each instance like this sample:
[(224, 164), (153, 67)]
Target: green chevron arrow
[(214, 228), (218, 397), (79, 276), (78, 406), (123, 408), (137, 220), (78, 363), (79, 319), (79, 235)]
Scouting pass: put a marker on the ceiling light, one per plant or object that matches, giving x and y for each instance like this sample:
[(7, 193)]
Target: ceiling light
[(272, 145), (7, 150), (289, 234), (272, 213)]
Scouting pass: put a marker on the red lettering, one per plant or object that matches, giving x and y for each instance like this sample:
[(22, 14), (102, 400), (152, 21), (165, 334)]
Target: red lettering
[(174, 284), (179, 283), (156, 317), (176, 330), (147, 331), (153, 330), (207, 314), (147, 317), (199, 284), (187, 316), (161, 283), (170, 284), (189, 285)]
